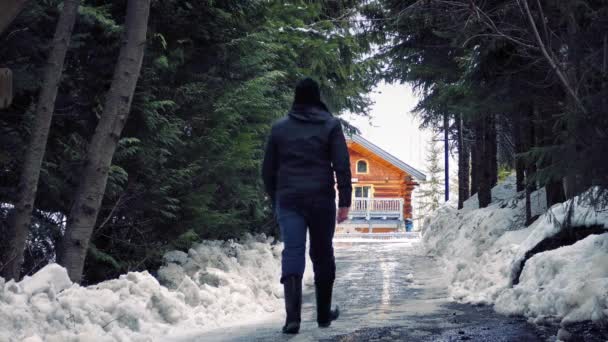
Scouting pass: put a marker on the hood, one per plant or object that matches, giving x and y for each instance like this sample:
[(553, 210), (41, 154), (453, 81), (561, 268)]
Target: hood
[(308, 113)]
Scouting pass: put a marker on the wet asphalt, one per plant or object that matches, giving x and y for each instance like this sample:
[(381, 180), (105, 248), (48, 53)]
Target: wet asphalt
[(393, 291), (413, 300)]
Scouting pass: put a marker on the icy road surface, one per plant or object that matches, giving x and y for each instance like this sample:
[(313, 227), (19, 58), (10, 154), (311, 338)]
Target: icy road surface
[(387, 291)]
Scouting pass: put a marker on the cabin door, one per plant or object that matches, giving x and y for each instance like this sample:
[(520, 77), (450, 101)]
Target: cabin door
[(363, 195)]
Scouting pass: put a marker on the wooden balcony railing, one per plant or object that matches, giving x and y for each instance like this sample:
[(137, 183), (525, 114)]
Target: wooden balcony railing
[(377, 208)]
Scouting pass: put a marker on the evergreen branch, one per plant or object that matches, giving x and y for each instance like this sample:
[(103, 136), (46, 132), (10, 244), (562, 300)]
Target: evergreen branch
[(549, 59)]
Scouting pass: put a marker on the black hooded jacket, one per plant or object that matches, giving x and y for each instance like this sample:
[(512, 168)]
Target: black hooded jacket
[(303, 151)]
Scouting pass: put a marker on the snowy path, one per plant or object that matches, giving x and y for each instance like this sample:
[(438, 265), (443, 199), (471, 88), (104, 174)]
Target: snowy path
[(387, 291)]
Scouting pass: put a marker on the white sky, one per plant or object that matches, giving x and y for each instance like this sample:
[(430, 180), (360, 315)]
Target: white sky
[(392, 126)]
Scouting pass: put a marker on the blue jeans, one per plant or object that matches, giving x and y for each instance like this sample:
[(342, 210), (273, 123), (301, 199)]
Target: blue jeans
[(318, 215)]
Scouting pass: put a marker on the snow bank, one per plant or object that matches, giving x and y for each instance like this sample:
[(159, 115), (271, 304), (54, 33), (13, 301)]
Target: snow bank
[(569, 283), (482, 250), (476, 242), (215, 284), (506, 191)]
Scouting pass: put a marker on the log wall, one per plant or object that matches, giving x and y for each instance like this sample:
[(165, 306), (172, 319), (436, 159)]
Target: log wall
[(386, 180)]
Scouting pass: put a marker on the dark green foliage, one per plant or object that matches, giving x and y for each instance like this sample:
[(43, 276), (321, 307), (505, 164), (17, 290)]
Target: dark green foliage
[(432, 190), (215, 76), (482, 60)]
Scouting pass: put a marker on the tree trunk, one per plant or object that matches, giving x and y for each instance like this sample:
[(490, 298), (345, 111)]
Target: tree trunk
[(528, 205), (554, 188), (492, 160), (484, 155), (528, 135), (9, 9), (87, 202), (474, 160), (446, 155), (520, 166), (572, 185), (463, 164), (28, 183), (6, 88), (554, 192), (576, 179)]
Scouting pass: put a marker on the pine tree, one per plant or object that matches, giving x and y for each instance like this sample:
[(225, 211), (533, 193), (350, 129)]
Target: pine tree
[(186, 165), (9, 9), (94, 178), (432, 190), (454, 184), (30, 173)]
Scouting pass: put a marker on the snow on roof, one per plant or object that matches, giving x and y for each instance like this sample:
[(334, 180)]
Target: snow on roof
[(387, 156)]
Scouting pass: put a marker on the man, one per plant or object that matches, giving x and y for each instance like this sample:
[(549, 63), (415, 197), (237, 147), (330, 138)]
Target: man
[(303, 152)]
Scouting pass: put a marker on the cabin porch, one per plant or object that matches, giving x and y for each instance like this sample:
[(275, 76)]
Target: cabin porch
[(374, 215), (377, 209), (370, 226)]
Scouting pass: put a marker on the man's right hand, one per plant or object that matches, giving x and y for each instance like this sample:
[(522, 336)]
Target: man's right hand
[(343, 214)]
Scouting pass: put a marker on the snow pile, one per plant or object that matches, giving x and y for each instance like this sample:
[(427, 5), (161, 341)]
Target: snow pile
[(468, 239), (483, 250), (569, 283), (215, 284)]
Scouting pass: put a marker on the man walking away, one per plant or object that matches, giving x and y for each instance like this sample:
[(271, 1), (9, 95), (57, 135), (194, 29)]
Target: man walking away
[(304, 150)]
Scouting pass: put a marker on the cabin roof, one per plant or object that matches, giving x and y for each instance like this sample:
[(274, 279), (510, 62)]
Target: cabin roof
[(387, 156)]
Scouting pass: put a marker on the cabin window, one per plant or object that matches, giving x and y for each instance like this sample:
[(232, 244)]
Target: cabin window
[(363, 191), (362, 166)]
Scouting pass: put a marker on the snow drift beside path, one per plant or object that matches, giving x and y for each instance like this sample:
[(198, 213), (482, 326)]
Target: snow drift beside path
[(483, 249), (215, 284), (570, 283)]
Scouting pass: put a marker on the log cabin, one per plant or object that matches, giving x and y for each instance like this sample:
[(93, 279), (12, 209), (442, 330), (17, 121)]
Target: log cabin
[(382, 189)]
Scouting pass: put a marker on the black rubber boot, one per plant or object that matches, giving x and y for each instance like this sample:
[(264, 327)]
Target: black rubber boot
[(325, 314), (293, 304)]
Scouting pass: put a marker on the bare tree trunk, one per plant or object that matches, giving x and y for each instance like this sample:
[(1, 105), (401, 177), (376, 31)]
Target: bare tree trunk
[(528, 205), (6, 88), (572, 185), (9, 9), (554, 192), (446, 155), (528, 135), (463, 164), (576, 179), (87, 202), (28, 183), (474, 156), (492, 141), (520, 166), (484, 191), (544, 126)]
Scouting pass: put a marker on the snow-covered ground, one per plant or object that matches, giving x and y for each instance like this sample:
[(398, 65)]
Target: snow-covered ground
[(378, 284), (482, 250), (216, 284), (223, 290)]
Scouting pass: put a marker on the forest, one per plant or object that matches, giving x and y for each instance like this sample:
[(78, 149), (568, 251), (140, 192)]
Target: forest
[(129, 128)]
